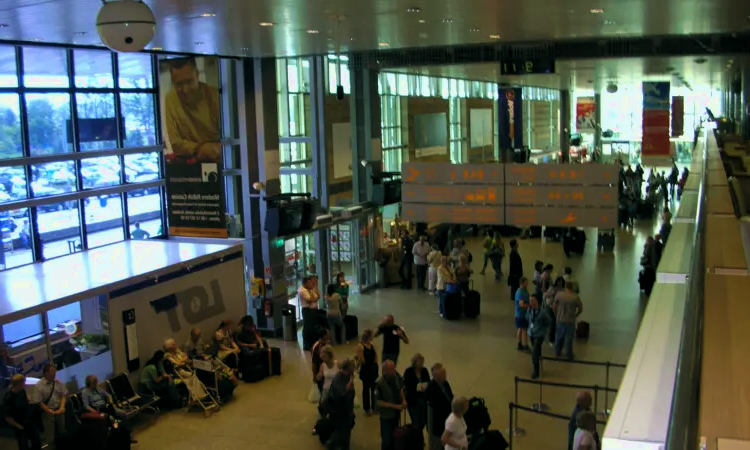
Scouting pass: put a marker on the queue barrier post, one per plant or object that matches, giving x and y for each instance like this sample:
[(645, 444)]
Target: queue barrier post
[(605, 412), (540, 406), (513, 428), (596, 397)]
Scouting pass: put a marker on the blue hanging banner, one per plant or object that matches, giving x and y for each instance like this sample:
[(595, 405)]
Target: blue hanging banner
[(510, 118)]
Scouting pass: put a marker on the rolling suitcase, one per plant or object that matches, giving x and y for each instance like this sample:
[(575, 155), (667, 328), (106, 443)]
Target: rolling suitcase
[(472, 303), (582, 330), (453, 307), (477, 417), (254, 367), (324, 428), (351, 325), (408, 437), (274, 361)]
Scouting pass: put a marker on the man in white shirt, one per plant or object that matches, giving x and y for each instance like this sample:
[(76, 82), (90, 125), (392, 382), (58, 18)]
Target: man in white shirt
[(420, 251), (306, 294), (454, 436)]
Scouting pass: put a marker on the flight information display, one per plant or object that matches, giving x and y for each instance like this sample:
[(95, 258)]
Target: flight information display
[(461, 214), (452, 193), (520, 216)]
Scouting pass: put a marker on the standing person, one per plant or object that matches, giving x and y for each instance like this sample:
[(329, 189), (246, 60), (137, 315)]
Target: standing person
[(340, 406), (342, 288), (567, 307), (420, 251), (539, 324), (538, 270), (463, 274), (445, 276), (545, 280), (306, 294), (486, 245), (496, 254), (439, 396), (324, 337), (368, 370), (334, 315), (18, 415), (390, 401), (392, 337), (583, 403), (404, 270), (584, 439), (416, 378), (454, 436), (433, 259), (327, 371), (138, 233), (51, 396), (515, 269), (522, 325)]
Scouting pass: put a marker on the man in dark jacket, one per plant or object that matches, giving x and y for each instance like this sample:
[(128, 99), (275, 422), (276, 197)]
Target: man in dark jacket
[(407, 260), (515, 271), (340, 406), (539, 325), (390, 400), (439, 396), (18, 414)]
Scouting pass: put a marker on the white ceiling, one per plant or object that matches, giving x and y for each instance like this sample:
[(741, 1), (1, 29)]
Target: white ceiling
[(231, 27), (596, 74)]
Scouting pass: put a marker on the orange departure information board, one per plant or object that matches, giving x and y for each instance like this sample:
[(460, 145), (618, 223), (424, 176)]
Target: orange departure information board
[(452, 193), (417, 172), (465, 214), (577, 196), (561, 174), (561, 217)]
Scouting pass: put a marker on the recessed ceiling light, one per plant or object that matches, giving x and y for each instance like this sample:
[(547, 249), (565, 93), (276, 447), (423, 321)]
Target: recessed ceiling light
[(199, 43), (414, 9), (474, 30), (208, 15), (266, 24), (448, 20), (494, 36), (312, 31), (422, 21), (352, 39), (383, 45), (597, 11), (609, 22), (244, 49)]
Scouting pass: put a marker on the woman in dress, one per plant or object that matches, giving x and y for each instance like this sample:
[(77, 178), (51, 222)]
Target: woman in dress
[(181, 365), (228, 351), (368, 370), (416, 378)]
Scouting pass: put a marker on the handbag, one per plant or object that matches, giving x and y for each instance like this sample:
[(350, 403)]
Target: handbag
[(314, 395)]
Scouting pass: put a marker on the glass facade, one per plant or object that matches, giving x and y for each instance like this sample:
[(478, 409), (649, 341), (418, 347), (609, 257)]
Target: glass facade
[(79, 138)]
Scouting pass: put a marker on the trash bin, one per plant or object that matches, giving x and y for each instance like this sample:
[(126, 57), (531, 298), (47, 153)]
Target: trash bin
[(289, 323)]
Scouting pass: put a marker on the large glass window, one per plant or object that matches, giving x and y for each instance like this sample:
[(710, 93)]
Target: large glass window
[(76, 100)]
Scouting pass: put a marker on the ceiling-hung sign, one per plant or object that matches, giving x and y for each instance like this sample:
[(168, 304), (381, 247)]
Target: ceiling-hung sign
[(527, 66)]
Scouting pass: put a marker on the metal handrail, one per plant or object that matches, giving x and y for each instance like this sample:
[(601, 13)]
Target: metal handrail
[(685, 409)]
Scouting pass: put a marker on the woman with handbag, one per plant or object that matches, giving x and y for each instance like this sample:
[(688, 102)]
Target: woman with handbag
[(446, 281), (368, 370)]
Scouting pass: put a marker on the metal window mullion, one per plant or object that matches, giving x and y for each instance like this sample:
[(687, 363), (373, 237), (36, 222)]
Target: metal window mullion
[(155, 81), (120, 142), (77, 149)]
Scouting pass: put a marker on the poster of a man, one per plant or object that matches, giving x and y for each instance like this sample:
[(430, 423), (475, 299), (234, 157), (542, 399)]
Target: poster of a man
[(192, 116)]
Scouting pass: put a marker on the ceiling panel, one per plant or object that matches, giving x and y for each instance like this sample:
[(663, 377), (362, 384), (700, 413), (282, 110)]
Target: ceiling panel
[(596, 74), (231, 27)]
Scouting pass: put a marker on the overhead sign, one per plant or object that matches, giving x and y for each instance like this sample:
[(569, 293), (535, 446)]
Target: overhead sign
[(452, 193), (571, 174), (561, 217), (577, 196), (527, 66), (459, 214), (416, 172)]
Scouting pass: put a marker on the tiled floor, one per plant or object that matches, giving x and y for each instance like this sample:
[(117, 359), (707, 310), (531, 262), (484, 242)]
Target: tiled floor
[(479, 354), (480, 357)]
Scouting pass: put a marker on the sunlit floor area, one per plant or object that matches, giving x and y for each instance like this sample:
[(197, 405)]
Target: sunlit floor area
[(479, 354)]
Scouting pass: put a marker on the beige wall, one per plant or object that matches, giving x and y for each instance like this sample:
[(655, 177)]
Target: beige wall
[(484, 153)]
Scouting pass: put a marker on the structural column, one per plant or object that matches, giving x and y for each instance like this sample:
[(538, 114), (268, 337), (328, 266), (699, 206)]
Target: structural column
[(598, 124), (745, 116), (565, 125), (366, 139), (259, 160)]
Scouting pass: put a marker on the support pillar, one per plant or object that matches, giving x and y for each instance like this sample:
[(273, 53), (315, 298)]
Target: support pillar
[(366, 140), (565, 125), (259, 160), (745, 124), (598, 120)]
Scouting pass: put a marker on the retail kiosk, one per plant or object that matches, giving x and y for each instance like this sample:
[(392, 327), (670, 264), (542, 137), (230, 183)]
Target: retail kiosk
[(105, 311)]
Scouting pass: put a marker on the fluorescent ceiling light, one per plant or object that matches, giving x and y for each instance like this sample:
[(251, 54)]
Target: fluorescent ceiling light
[(266, 24), (597, 11), (208, 15), (474, 30), (312, 31), (494, 36), (422, 21), (448, 20), (383, 45), (414, 9)]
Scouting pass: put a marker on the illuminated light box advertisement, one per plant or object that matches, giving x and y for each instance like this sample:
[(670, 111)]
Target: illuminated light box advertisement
[(561, 217), (416, 172), (656, 120), (191, 119), (460, 214), (562, 174), (585, 114), (578, 196)]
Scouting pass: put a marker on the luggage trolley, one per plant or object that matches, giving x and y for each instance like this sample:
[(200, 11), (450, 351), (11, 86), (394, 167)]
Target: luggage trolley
[(208, 403), (210, 372)]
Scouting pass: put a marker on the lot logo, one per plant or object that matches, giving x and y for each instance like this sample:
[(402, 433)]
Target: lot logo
[(510, 97), (197, 305)]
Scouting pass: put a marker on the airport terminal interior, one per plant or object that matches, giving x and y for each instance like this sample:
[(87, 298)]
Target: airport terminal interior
[(171, 167)]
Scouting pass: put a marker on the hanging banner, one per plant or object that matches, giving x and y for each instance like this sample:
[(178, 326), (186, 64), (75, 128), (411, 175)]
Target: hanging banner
[(655, 119), (678, 116), (585, 114), (191, 120), (510, 116)]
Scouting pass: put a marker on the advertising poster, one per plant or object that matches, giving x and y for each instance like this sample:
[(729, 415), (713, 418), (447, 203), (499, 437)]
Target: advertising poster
[(656, 105), (510, 117), (191, 120), (585, 114), (678, 116), (480, 123)]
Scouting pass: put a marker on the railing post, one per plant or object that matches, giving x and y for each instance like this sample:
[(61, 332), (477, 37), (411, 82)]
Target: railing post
[(596, 397), (604, 413), (514, 429), (540, 406), (511, 431)]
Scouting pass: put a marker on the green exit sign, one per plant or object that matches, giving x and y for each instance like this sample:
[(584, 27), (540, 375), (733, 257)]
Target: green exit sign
[(278, 243)]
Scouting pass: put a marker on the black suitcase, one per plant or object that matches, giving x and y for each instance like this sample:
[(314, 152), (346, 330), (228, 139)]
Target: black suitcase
[(351, 325), (477, 417), (472, 303), (272, 365), (489, 440), (453, 307), (324, 428), (254, 367)]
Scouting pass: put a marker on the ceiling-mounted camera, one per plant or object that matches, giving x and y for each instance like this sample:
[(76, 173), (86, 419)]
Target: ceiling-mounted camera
[(125, 25)]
